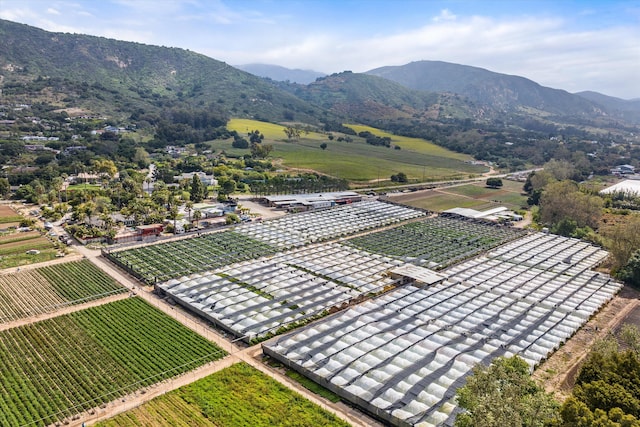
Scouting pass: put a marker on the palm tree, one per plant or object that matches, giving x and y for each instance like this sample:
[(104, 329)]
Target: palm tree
[(196, 216), (188, 207), (173, 214)]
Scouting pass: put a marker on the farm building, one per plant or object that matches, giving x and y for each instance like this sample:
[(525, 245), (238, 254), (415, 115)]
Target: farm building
[(305, 202), (402, 356)]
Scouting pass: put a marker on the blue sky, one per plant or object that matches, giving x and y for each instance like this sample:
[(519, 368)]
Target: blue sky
[(565, 44)]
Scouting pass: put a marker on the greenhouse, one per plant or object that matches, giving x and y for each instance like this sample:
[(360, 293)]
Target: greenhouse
[(253, 299), (403, 355), (437, 242), (315, 226)]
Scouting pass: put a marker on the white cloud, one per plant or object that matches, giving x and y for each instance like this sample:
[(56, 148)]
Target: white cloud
[(445, 15), (52, 11)]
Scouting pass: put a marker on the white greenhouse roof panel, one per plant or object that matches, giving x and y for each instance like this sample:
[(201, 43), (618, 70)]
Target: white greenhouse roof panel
[(419, 274), (403, 354), (255, 298)]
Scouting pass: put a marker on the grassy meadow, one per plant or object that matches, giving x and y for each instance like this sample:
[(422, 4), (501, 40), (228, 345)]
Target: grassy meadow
[(357, 161)]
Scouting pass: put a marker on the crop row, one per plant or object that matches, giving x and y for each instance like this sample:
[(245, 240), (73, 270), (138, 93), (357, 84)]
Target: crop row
[(178, 258), (436, 242), (49, 288), (56, 368)]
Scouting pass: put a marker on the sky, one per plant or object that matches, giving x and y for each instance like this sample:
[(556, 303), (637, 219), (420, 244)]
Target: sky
[(565, 44)]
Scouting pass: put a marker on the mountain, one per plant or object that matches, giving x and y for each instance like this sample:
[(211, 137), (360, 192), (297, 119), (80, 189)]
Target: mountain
[(116, 77), (629, 109), (371, 99), (281, 74), (500, 91)]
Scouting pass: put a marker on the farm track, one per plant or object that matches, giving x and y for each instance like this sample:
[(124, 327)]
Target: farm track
[(251, 356)]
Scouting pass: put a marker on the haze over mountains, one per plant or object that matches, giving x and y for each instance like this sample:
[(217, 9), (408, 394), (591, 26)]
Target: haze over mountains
[(126, 76)]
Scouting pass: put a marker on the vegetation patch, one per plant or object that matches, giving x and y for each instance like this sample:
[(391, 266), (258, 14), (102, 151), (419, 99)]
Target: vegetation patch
[(236, 396), (14, 248), (162, 262), (436, 242), (62, 366), (49, 288)]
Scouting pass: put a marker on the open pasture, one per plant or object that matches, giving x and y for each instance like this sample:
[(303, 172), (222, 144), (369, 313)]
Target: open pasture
[(62, 366), (45, 289), (237, 396), (436, 242), (475, 196), (404, 354), (358, 161)]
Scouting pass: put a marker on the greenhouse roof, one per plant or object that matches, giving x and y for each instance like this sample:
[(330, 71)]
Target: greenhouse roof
[(420, 274)]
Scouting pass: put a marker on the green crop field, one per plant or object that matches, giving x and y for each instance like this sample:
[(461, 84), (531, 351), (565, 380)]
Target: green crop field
[(436, 242), (56, 368), (165, 261), (358, 161), (237, 396), (46, 289)]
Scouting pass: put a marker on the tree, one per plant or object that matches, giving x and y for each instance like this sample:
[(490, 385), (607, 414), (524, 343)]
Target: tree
[(197, 189), (564, 200), (503, 394), (494, 182), (323, 145), (261, 151), (197, 215), (188, 207), (173, 215), (292, 132), (630, 273), (399, 177), (5, 187)]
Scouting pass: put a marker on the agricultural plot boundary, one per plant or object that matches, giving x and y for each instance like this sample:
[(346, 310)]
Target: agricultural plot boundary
[(436, 242), (259, 298), (46, 289), (402, 356), (57, 368)]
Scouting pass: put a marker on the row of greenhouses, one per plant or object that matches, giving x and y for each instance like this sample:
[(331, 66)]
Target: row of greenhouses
[(437, 242), (402, 356), (315, 226), (256, 298)]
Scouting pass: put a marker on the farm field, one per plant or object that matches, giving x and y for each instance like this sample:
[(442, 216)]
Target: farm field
[(164, 261), (436, 242), (62, 366), (237, 396), (8, 217), (46, 289), (474, 196), (14, 247), (419, 159)]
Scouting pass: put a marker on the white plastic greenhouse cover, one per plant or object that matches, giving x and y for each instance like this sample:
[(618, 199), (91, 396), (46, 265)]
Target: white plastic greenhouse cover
[(419, 344)]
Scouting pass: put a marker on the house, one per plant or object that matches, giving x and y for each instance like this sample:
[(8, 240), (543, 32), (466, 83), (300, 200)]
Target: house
[(623, 170), (204, 178)]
